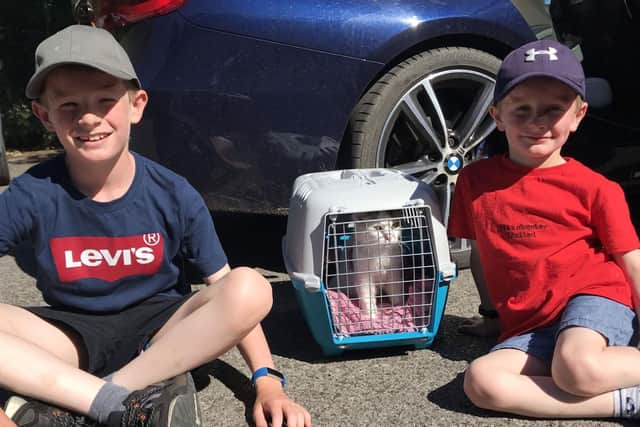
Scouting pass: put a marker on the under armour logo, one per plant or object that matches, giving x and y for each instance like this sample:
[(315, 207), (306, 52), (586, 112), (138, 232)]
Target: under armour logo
[(531, 54)]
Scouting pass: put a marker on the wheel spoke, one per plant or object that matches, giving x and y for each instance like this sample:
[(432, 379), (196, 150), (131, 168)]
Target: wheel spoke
[(475, 115), (418, 168), (482, 132), (430, 177), (418, 118), (445, 195), (437, 108)]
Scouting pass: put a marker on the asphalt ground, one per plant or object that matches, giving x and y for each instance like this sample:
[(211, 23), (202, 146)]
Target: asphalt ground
[(383, 387)]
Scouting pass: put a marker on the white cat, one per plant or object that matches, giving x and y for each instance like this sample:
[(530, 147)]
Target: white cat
[(377, 262)]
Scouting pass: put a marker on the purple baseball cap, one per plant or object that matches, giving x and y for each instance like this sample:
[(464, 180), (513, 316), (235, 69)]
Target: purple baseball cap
[(541, 58)]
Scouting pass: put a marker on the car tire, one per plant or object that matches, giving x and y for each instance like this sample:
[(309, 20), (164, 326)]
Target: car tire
[(424, 116), (4, 165)]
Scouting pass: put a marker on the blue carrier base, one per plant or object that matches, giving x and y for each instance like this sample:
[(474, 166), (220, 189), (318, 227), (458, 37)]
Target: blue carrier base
[(315, 308)]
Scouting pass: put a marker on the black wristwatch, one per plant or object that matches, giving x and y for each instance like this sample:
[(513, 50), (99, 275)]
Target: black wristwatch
[(489, 314)]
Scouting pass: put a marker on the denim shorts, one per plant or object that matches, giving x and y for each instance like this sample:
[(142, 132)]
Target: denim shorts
[(614, 321)]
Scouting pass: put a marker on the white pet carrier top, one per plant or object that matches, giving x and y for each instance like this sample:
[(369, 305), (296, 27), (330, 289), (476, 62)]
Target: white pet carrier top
[(317, 197)]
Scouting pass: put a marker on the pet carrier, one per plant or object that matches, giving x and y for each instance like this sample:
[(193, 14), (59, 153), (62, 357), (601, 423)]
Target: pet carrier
[(368, 255)]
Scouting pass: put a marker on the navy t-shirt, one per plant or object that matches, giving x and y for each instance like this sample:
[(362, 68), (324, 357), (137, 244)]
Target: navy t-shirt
[(102, 257)]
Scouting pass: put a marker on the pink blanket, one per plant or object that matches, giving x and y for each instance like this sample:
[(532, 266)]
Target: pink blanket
[(348, 318)]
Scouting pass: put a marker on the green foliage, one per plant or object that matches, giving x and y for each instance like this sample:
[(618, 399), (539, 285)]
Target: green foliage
[(23, 25), (24, 131)]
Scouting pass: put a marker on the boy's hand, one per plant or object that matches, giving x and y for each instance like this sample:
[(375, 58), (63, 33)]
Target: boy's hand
[(480, 326), (274, 405)]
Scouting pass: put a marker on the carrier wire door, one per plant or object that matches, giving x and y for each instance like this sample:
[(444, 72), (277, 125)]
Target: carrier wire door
[(391, 253)]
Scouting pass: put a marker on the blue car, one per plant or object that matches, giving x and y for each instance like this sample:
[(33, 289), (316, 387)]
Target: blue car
[(246, 95)]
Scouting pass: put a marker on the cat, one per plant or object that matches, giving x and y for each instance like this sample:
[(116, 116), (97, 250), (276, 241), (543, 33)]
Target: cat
[(377, 261)]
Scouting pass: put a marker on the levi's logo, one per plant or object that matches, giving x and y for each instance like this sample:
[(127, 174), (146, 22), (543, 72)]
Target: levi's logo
[(106, 258)]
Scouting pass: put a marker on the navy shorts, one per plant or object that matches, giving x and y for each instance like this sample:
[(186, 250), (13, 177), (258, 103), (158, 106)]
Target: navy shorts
[(616, 322), (111, 340)]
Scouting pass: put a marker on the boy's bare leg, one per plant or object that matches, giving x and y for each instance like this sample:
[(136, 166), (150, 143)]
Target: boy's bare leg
[(583, 364), (41, 361), (509, 380), (210, 323)]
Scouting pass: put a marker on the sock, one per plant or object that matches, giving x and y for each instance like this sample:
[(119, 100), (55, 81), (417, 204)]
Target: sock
[(626, 402), (109, 399)]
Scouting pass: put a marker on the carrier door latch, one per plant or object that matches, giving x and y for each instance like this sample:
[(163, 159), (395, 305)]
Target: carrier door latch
[(311, 281)]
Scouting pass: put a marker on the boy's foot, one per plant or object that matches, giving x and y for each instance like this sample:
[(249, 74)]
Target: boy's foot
[(171, 403), (480, 326), (33, 413)]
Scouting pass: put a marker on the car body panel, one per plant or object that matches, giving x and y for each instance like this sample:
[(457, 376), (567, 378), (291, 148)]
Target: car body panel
[(245, 96), (238, 125), (373, 30)]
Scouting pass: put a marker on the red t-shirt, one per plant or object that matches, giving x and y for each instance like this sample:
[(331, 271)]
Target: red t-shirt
[(544, 235)]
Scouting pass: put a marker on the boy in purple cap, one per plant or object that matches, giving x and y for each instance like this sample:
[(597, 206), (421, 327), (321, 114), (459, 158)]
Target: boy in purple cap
[(558, 251), (111, 231)]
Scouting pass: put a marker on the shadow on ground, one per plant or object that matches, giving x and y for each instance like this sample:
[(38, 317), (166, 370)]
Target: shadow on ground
[(451, 398), (252, 240), (232, 379), (453, 345)]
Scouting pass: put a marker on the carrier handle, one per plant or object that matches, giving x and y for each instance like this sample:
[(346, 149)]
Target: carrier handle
[(355, 174)]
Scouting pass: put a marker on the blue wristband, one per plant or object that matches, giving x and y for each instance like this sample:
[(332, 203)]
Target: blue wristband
[(261, 372)]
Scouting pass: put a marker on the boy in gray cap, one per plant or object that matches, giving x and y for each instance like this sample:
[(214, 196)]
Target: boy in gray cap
[(111, 231), (558, 251)]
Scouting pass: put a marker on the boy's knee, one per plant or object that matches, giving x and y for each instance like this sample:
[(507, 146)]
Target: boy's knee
[(250, 288), (483, 386), (577, 372)]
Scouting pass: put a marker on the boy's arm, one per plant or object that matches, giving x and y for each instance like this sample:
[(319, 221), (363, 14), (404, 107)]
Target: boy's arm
[(630, 263), (478, 277), (270, 397), (487, 324)]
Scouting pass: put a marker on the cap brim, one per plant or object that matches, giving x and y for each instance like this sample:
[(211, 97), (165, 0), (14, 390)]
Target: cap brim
[(34, 86), (516, 81)]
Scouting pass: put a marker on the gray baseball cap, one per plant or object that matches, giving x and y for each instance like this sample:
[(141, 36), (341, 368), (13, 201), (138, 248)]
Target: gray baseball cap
[(82, 45)]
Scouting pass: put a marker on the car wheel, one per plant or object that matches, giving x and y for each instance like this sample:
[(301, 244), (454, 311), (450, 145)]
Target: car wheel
[(428, 116)]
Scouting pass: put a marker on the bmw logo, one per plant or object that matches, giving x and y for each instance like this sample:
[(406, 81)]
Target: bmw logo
[(453, 164)]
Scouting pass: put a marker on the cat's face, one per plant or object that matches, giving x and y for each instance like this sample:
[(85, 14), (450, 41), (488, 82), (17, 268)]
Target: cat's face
[(373, 227), (387, 231)]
